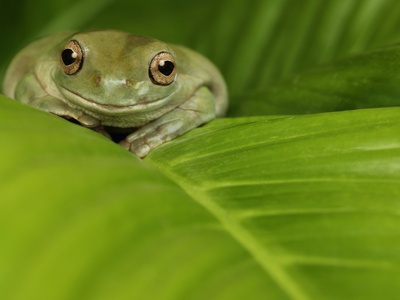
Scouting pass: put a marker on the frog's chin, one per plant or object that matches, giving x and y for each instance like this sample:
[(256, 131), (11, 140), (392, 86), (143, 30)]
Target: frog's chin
[(92, 106)]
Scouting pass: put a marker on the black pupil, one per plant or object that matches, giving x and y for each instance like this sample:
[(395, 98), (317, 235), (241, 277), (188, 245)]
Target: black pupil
[(167, 68), (67, 57)]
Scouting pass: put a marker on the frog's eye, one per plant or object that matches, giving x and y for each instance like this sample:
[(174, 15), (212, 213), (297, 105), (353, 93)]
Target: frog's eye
[(71, 57), (162, 69)]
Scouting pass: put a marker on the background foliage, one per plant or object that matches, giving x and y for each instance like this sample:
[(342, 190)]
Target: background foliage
[(294, 196)]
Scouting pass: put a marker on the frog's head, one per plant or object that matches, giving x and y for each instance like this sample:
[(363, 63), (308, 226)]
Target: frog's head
[(112, 72)]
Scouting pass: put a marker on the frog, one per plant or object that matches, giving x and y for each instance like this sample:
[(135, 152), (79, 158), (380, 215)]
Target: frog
[(143, 90)]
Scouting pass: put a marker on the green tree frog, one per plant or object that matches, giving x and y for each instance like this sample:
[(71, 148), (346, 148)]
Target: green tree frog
[(142, 89)]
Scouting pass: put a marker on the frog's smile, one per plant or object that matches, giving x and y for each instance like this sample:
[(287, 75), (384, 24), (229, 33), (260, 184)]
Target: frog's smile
[(139, 105)]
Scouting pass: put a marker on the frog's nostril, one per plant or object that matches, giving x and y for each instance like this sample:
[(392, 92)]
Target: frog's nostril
[(97, 80), (128, 82)]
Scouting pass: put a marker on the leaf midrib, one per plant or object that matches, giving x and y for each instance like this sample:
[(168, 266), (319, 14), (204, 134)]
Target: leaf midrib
[(266, 260)]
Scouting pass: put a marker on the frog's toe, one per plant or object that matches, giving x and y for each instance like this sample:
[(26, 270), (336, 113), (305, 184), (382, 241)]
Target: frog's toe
[(141, 151), (125, 144), (88, 121), (139, 147)]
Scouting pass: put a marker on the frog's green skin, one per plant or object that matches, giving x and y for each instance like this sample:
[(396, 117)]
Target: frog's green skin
[(113, 88)]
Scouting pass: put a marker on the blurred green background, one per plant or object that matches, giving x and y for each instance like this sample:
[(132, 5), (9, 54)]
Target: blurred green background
[(268, 207), (255, 42)]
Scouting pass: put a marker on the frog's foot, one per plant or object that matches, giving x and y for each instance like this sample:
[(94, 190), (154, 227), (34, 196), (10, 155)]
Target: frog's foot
[(57, 107), (82, 118), (61, 109), (152, 135), (31, 92), (199, 109)]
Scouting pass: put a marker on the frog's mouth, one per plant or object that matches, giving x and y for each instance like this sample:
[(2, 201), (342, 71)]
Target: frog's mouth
[(143, 104)]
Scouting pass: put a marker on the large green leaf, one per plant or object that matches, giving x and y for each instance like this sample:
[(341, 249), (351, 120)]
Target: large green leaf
[(268, 207), (281, 207), (314, 199), (81, 218)]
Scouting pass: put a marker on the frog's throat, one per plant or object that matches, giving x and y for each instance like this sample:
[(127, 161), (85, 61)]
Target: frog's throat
[(75, 99)]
